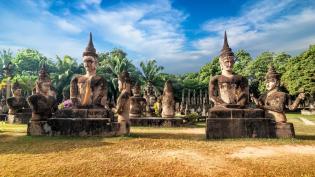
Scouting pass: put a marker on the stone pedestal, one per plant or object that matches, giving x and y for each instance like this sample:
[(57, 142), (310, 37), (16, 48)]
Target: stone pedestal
[(19, 118), (77, 122), (36, 128), (156, 122), (284, 130), (238, 123)]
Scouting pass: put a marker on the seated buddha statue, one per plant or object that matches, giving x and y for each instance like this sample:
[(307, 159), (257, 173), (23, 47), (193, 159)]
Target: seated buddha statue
[(17, 103), (42, 103), (137, 102), (274, 101), (89, 90), (228, 89)]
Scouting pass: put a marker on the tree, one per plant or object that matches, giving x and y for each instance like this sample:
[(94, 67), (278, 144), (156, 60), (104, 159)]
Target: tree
[(243, 59), (6, 57), (300, 73), (150, 71), (208, 70)]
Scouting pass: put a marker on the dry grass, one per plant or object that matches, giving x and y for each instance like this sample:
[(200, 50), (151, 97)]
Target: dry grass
[(156, 152)]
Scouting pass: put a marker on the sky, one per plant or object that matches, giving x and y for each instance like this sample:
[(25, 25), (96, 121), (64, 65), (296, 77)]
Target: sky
[(182, 35)]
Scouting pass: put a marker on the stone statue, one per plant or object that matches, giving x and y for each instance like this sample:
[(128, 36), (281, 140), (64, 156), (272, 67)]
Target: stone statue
[(168, 101), (151, 99), (89, 90), (123, 103), (42, 103), (137, 102), (228, 89), (17, 103), (274, 101)]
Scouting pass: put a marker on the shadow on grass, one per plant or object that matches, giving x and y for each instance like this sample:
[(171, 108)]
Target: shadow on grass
[(305, 137), (10, 144), (173, 136)]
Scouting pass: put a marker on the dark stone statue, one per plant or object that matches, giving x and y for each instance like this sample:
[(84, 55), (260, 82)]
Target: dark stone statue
[(17, 103), (228, 89), (137, 102)]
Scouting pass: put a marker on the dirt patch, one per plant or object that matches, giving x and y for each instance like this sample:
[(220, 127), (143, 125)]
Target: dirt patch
[(269, 151)]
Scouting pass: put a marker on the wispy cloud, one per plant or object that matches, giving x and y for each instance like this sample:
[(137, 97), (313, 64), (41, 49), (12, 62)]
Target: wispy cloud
[(155, 29)]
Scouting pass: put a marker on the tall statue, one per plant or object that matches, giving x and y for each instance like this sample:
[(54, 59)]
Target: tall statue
[(89, 90), (151, 99), (228, 89), (123, 103), (17, 103), (275, 101), (42, 103), (168, 101), (137, 102)]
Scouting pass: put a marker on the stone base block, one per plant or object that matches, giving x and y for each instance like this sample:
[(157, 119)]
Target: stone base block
[(19, 118), (239, 128), (83, 127), (36, 128), (221, 112), (284, 130), (156, 122), (84, 113)]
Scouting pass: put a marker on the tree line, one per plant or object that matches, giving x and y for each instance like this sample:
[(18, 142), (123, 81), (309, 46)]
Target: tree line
[(298, 72)]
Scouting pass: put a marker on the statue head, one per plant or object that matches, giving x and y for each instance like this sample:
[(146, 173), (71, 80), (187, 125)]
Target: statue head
[(124, 81), (226, 56), (272, 78), (16, 89), (43, 83), (136, 90), (168, 87), (90, 57)]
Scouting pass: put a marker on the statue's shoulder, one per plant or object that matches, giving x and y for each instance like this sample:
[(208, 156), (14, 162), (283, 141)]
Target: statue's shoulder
[(11, 99), (215, 78), (76, 77)]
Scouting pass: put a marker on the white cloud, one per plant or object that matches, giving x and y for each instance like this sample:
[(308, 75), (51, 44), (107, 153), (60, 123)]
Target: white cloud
[(68, 27)]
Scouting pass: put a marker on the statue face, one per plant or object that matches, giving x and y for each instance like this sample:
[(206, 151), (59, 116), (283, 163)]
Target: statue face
[(17, 92), (271, 84), (89, 63), (136, 91), (227, 63), (45, 87)]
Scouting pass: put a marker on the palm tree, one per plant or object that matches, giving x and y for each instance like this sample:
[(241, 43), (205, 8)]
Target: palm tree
[(151, 72)]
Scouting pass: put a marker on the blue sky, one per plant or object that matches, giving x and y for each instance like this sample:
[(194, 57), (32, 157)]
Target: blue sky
[(182, 35)]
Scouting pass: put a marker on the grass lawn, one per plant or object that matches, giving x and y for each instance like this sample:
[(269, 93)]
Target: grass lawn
[(157, 152)]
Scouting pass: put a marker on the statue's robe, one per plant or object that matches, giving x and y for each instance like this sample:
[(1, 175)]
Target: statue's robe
[(123, 108), (88, 92), (137, 105), (42, 107), (168, 106), (229, 90), (17, 105)]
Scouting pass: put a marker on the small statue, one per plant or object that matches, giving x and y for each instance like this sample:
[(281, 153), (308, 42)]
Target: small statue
[(89, 90), (228, 89), (123, 103), (274, 101), (168, 101), (17, 103), (42, 103), (151, 99), (137, 103)]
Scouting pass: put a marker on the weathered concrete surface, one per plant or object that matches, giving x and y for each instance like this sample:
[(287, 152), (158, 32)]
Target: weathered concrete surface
[(156, 122)]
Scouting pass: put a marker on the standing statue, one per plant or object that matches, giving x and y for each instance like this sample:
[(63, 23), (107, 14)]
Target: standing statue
[(89, 90), (228, 89), (274, 101), (151, 99), (42, 103), (137, 103), (17, 103), (168, 101), (123, 103)]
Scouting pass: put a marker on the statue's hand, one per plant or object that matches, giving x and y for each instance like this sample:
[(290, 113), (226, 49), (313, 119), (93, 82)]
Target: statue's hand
[(301, 96)]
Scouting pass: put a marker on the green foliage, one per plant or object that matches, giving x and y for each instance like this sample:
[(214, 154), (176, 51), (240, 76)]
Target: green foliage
[(300, 73), (243, 58), (26, 81), (208, 70), (6, 57), (192, 117), (151, 72)]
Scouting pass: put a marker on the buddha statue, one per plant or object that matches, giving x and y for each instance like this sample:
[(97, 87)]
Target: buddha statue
[(89, 90), (17, 103), (123, 103), (137, 102), (275, 101), (168, 101), (42, 103), (228, 89)]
